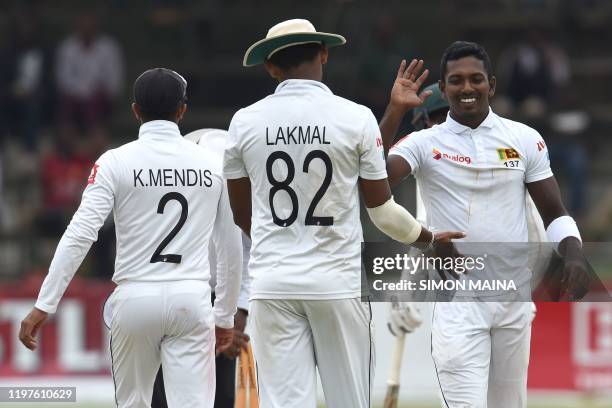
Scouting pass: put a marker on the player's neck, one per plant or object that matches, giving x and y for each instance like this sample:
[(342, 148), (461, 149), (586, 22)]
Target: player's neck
[(305, 71), (470, 121)]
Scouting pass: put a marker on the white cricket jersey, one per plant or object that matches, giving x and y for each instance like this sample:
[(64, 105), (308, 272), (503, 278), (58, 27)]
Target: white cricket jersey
[(169, 199), (304, 149), (473, 180)]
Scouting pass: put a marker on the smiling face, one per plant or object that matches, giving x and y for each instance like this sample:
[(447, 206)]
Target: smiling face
[(467, 88)]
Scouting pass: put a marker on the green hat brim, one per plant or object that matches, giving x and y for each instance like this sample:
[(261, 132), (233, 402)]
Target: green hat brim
[(259, 52)]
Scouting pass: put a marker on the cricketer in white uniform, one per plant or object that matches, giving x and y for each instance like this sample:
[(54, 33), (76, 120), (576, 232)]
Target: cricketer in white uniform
[(169, 200), (302, 152), (405, 317), (474, 171), (214, 141)]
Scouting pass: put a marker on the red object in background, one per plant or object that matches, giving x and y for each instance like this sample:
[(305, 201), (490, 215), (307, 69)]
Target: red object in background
[(74, 341), (571, 347), (63, 180)]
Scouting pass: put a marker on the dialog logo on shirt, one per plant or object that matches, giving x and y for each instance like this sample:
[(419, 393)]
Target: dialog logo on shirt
[(92, 176), (437, 155), (507, 153)]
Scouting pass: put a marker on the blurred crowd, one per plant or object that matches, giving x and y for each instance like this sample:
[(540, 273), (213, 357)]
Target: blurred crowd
[(59, 98), (56, 102)]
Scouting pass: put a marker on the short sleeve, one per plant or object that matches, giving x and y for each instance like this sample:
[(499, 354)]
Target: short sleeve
[(410, 148), (233, 166), (371, 154), (537, 162)]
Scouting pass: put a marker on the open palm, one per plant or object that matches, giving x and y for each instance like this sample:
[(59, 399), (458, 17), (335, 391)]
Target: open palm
[(405, 91)]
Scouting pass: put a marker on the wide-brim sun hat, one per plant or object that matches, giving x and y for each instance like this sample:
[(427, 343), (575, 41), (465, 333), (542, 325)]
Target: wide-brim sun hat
[(286, 34)]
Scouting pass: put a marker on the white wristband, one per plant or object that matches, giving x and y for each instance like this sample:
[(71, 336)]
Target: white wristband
[(561, 228)]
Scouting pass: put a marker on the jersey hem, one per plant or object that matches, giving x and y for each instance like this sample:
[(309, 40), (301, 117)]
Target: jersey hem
[(374, 176), (235, 175), (539, 177)]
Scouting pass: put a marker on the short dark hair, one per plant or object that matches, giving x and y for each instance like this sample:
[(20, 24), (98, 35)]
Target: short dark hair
[(295, 55), (159, 92), (461, 49)]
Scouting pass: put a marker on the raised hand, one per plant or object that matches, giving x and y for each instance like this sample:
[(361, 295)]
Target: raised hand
[(409, 79)]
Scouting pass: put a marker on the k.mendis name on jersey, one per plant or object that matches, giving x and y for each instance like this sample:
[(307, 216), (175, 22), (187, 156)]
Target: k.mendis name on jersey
[(172, 178), (287, 135)]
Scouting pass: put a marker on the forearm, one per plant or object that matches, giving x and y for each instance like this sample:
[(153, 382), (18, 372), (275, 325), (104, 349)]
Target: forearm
[(239, 191), (228, 248), (243, 220), (389, 124), (396, 222), (227, 289), (245, 283), (69, 255)]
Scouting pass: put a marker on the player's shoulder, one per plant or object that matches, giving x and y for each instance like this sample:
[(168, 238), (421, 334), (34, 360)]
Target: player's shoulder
[(520, 130), (122, 151), (113, 154), (255, 108), (348, 104), (420, 136)]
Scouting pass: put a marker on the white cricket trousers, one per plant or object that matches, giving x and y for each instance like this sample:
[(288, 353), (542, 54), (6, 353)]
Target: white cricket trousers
[(292, 338), (481, 353), (169, 323)]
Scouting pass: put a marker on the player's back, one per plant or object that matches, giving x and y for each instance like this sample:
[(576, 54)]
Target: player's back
[(303, 150), (166, 193)]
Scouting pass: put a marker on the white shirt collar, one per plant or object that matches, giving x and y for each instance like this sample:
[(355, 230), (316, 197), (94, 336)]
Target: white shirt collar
[(164, 128), (458, 128), (302, 84)]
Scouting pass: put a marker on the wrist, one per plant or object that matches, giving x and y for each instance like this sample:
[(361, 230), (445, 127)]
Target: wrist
[(395, 110), (426, 239), (570, 248)]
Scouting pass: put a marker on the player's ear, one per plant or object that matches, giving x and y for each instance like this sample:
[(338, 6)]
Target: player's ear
[(181, 112), (324, 54), (442, 86), (272, 69), (492, 84), (137, 113)]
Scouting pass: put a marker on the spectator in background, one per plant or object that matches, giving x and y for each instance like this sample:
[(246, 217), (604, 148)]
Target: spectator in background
[(569, 129), (89, 78), (25, 81), (380, 57), (63, 178), (534, 71)]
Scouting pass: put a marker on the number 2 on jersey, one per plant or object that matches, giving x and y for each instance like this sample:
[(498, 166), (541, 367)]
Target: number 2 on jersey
[(284, 185), (171, 258)]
